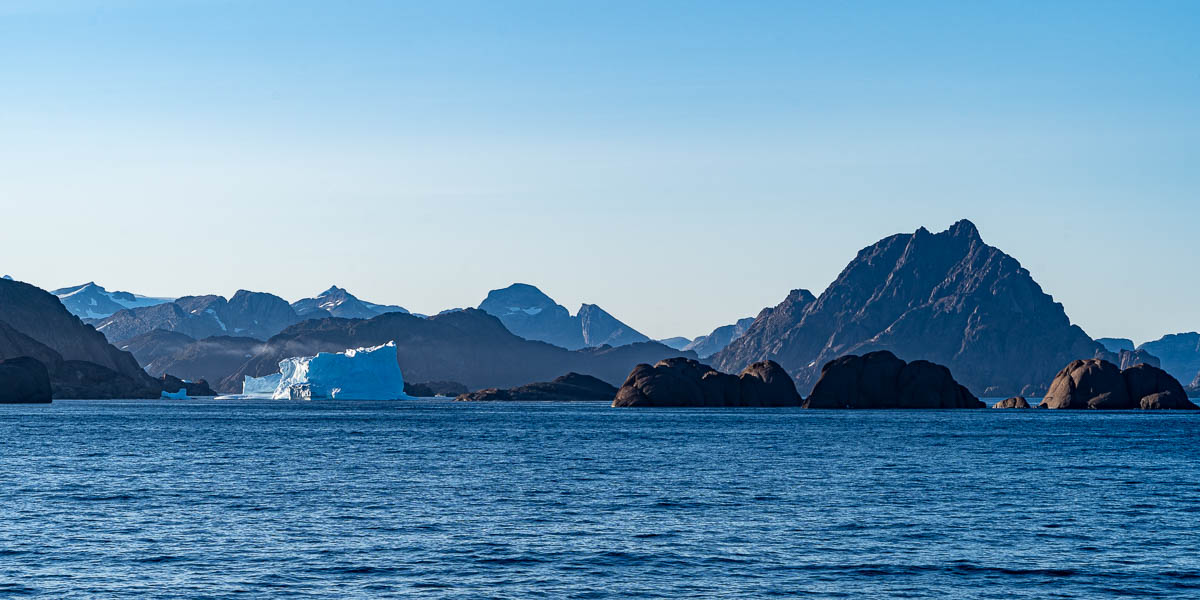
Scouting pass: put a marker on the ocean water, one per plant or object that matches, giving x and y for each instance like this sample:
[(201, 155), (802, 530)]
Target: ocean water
[(450, 500)]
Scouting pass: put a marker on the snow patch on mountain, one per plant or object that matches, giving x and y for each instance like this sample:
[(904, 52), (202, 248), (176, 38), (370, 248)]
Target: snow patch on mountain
[(92, 301), (338, 302)]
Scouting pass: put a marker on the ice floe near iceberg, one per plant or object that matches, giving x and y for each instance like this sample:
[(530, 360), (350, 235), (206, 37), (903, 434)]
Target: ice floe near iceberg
[(357, 374), (260, 386)]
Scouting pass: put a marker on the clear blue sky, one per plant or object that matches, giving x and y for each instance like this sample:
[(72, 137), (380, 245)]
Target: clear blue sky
[(682, 164)]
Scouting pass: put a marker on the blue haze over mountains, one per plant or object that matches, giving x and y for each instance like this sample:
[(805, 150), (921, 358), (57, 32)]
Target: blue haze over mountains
[(948, 297)]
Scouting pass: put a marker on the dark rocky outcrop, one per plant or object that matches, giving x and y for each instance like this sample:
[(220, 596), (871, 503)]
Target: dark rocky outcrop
[(24, 380), (430, 389), (247, 314), (467, 346), (1101, 385), (1179, 354), (1017, 402), (708, 345), (879, 380), (571, 387), (687, 382), (947, 297), (337, 302), (531, 314), (80, 362), (173, 384)]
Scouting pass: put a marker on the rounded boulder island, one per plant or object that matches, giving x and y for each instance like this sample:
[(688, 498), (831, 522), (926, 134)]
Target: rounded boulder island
[(1015, 402)]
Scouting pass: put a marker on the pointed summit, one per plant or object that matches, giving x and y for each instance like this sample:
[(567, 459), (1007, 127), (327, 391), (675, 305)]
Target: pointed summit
[(948, 298), (529, 313), (964, 228), (338, 302)]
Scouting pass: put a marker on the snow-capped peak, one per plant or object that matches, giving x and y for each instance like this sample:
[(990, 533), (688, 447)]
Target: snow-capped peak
[(92, 301)]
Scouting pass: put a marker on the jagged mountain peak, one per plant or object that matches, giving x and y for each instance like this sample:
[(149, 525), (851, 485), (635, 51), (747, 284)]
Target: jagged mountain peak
[(945, 297), (339, 302), (965, 229), (529, 313)]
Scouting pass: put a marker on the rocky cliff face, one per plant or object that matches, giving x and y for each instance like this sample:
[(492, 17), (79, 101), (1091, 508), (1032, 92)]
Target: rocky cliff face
[(531, 314), (1129, 358), (602, 329), (947, 298), (468, 346), (80, 362), (1179, 354), (247, 314)]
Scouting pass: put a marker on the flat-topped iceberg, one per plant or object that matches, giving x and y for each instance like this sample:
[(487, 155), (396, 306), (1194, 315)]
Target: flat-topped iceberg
[(357, 374)]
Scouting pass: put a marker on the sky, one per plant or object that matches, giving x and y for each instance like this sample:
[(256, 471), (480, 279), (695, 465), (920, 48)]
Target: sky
[(681, 164)]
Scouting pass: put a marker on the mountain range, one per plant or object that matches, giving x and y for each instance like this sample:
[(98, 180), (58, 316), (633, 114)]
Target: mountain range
[(91, 301), (531, 314), (948, 298), (249, 314), (80, 361), (945, 297), (469, 346)]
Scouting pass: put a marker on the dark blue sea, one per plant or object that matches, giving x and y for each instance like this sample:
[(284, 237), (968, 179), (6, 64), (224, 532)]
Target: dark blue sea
[(429, 499)]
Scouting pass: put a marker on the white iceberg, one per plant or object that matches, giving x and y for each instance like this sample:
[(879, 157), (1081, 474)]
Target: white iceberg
[(357, 374)]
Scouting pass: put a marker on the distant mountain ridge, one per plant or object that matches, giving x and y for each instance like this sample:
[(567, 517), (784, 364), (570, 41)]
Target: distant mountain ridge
[(531, 314), (947, 298), (469, 346), (1179, 354), (247, 314), (211, 359), (708, 345), (337, 302), (91, 301)]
